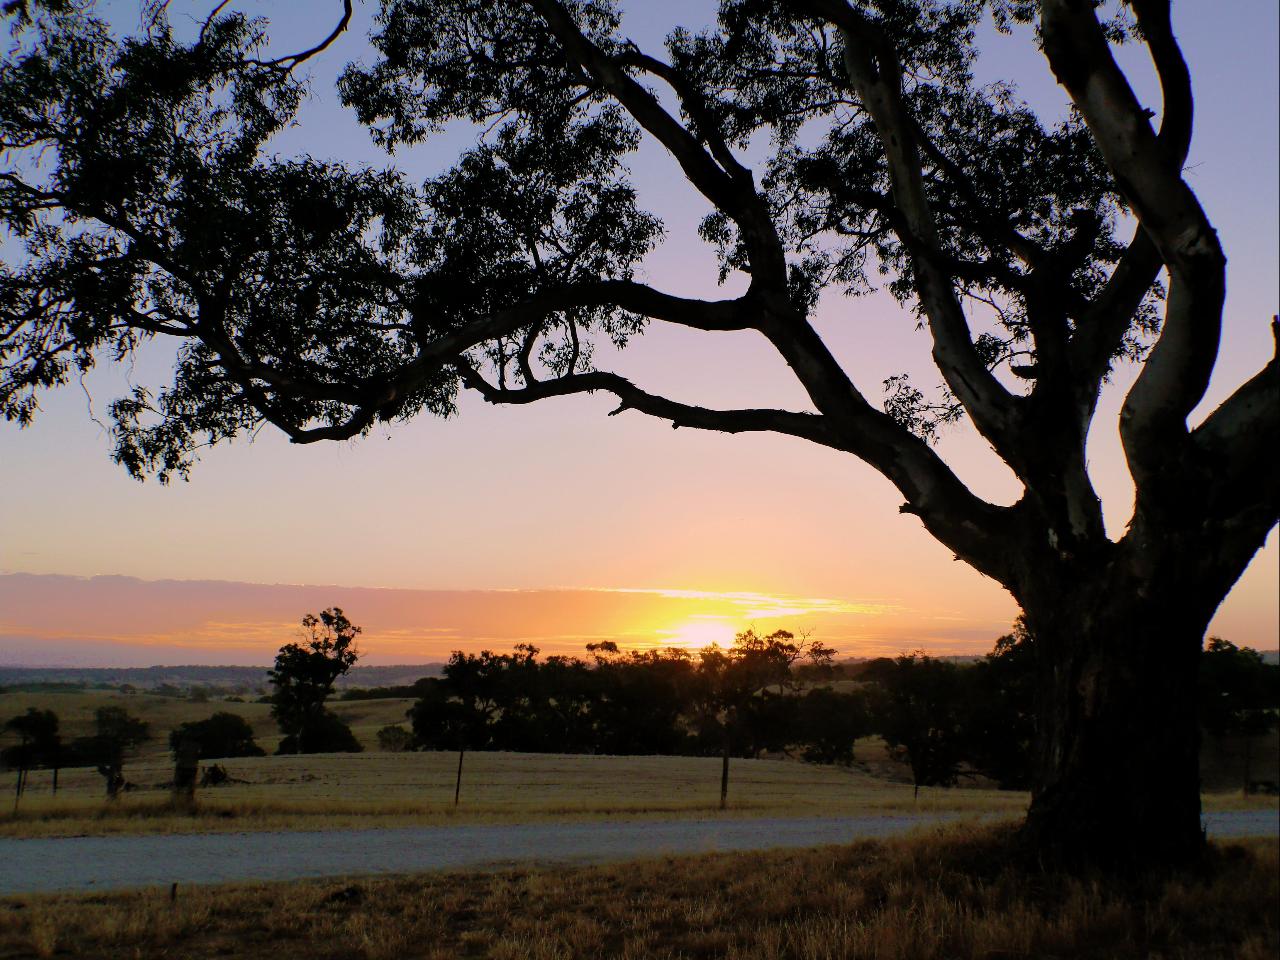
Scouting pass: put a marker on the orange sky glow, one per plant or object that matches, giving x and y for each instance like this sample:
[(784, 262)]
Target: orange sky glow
[(91, 621), (54, 620)]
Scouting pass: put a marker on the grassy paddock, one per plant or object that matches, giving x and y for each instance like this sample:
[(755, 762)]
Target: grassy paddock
[(396, 789), (399, 789), (945, 894), (385, 789)]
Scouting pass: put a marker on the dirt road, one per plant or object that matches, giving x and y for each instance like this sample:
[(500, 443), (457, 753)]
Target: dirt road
[(106, 863)]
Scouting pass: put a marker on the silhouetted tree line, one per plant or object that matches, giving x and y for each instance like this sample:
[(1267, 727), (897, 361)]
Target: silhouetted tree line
[(773, 693), (764, 694), (945, 720)]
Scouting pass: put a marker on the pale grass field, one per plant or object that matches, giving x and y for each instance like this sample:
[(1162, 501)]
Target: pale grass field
[(395, 789), (957, 892), (400, 789)]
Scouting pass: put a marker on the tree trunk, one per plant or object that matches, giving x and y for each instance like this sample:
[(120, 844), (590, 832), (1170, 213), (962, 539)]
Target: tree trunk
[(114, 775), (186, 771), (724, 779), (1117, 776), (457, 783)]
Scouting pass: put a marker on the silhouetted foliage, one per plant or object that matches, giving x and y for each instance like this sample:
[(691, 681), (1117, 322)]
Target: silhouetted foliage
[(1239, 696), (324, 733), (393, 692), (458, 710), (39, 745), (743, 697), (641, 697), (828, 724), (1000, 719), (117, 733), (394, 738), (942, 717), (922, 711), (221, 735), (304, 675), (215, 775)]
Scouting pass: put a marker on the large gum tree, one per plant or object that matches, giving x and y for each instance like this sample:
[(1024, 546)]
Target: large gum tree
[(320, 299)]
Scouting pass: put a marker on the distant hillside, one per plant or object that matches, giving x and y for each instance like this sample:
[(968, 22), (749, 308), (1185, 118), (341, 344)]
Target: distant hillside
[(231, 679)]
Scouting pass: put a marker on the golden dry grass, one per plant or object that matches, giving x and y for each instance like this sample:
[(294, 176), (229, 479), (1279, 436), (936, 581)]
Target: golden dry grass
[(386, 789), (946, 894), (395, 789)]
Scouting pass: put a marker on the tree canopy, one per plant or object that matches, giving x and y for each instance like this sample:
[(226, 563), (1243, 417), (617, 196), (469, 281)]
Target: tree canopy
[(303, 678), (221, 735)]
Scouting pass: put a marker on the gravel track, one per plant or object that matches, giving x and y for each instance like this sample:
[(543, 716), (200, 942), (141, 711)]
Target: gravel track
[(79, 864)]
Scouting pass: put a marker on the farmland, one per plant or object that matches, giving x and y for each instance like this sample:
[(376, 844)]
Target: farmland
[(399, 789)]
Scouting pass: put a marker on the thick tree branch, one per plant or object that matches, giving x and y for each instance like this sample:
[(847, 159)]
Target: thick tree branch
[(1105, 322), (876, 74), (1102, 324), (1175, 376)]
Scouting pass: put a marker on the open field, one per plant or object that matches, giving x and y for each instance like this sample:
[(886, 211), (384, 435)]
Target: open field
[(1221, 762), (333, 791), (398, 789), (947, 893), (403, 789)]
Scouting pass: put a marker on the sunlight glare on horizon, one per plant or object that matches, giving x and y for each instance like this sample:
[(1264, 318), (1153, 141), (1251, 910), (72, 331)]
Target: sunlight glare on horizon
[(699, 633)]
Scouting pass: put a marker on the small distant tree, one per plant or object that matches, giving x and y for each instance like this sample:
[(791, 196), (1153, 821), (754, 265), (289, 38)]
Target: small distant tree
[(39, 745), (1239, 696), (304, 676), (117, 734), (738, 689), (327, 733), (395, 738), (921, 712), (221, 735)]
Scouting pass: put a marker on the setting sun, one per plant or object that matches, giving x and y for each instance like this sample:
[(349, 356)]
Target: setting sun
[(699, 633)]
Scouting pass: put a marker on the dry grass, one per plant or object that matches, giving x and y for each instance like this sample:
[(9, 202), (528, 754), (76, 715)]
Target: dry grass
[(947, 894), (389, 789), (382, 789)]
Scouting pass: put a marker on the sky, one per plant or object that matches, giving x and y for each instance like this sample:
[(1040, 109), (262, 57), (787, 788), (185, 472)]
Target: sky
[(556, 524)]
